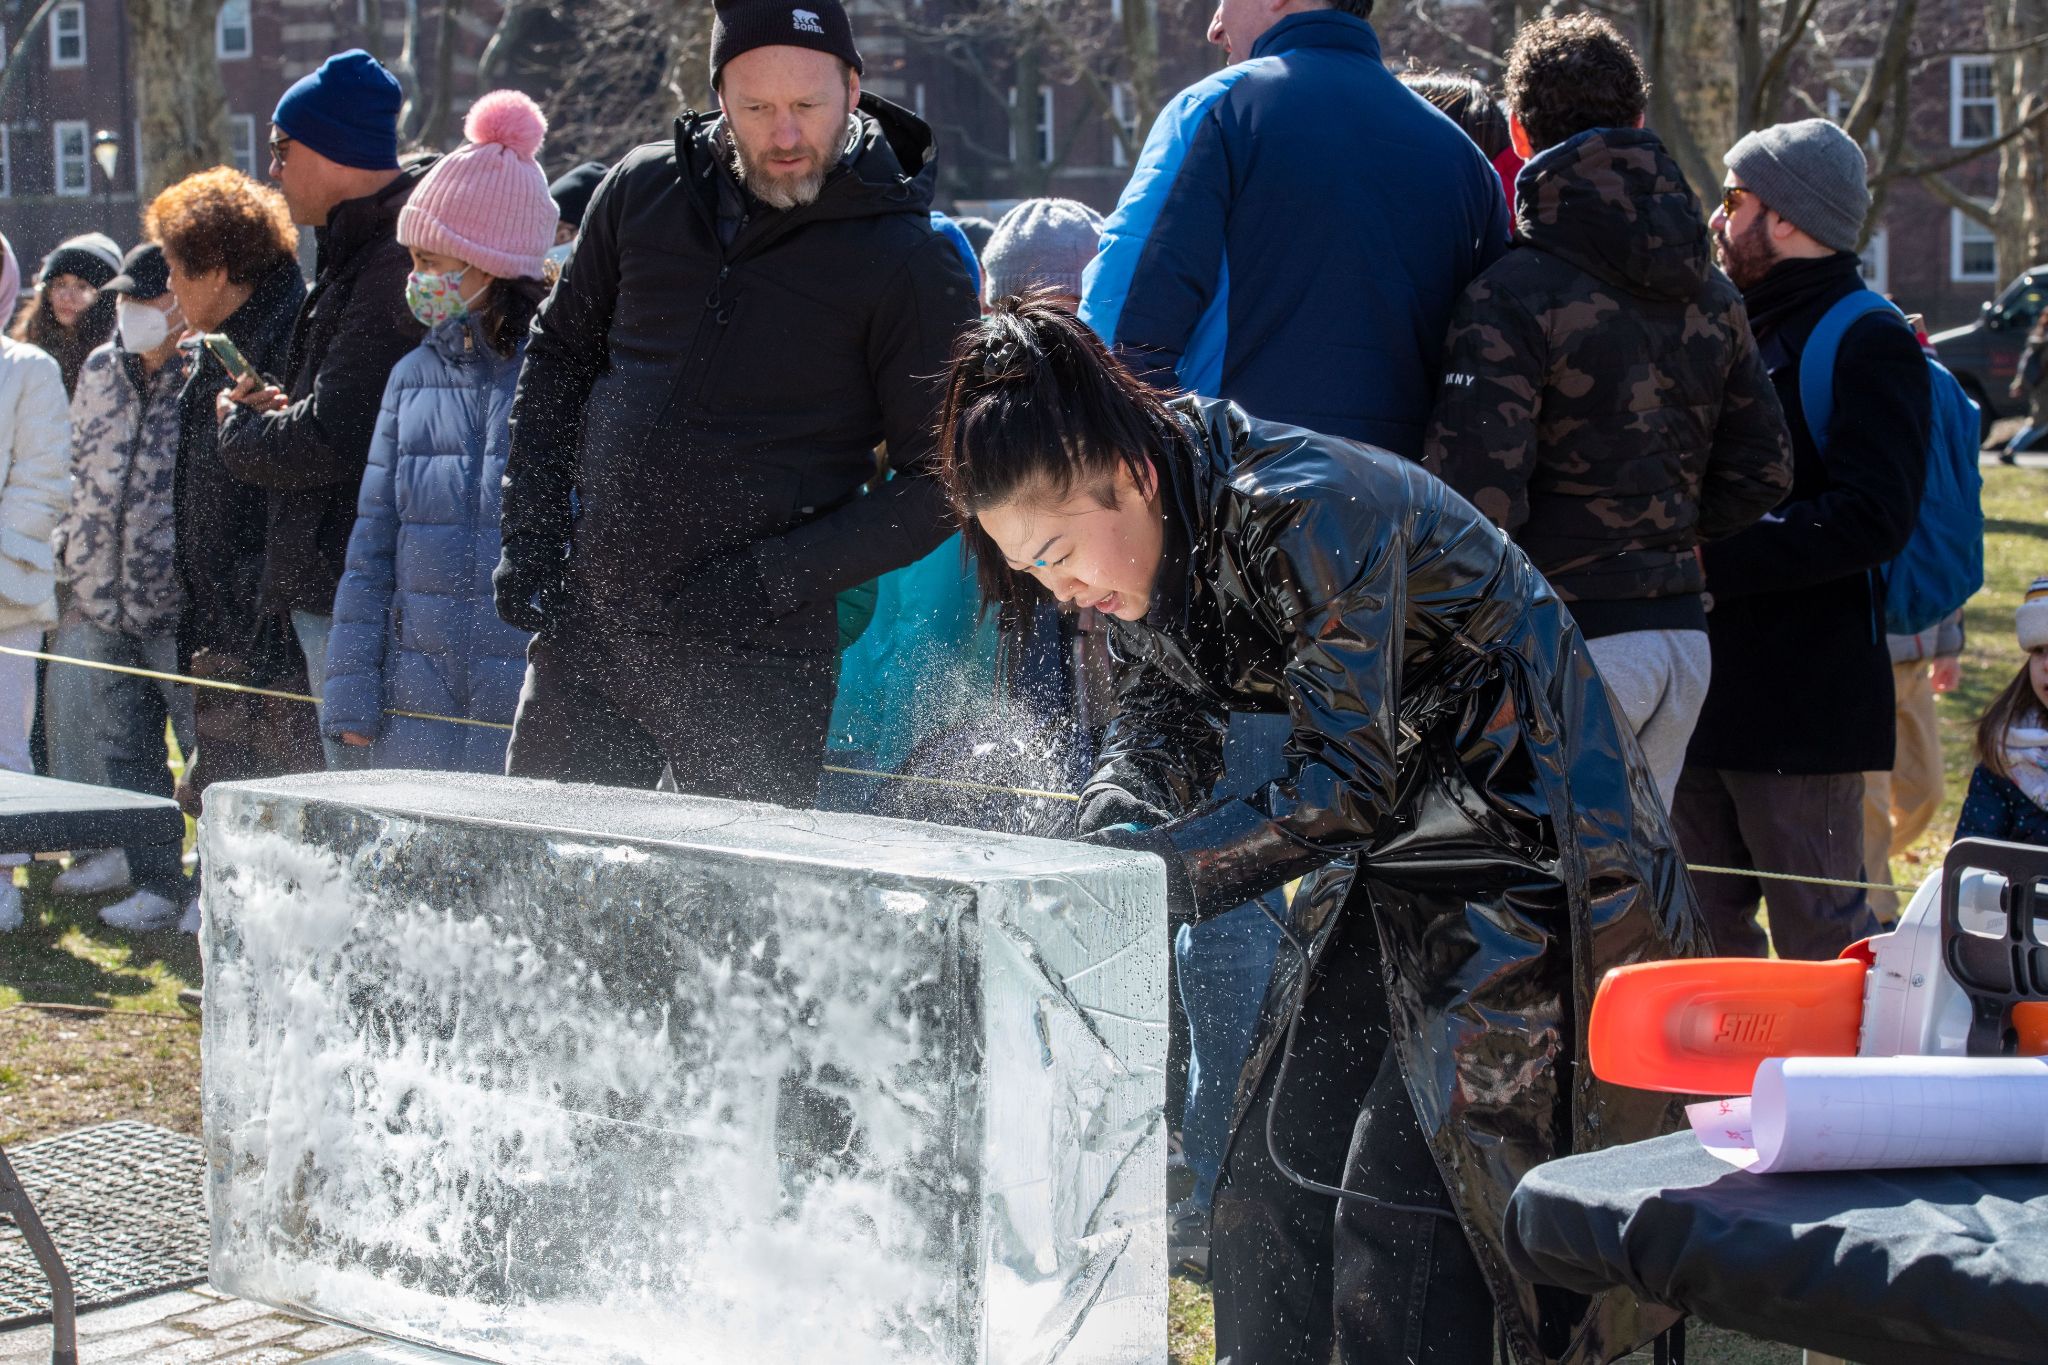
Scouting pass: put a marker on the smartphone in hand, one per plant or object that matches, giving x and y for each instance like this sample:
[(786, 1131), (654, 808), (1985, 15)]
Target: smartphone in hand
[(229, 355)]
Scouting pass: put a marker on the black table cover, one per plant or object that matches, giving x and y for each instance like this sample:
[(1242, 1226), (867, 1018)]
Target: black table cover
[(44, 815), (1882, 1267)]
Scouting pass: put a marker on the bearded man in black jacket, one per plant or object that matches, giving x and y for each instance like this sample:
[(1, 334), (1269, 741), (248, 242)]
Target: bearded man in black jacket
[(752, 308), (1800, 706)]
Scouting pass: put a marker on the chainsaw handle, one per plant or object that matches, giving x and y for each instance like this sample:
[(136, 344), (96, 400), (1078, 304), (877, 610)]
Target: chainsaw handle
[(1997, 972)]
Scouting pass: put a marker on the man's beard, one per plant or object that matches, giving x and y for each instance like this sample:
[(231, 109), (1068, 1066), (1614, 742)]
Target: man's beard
[(1746, 257), (782, 191)]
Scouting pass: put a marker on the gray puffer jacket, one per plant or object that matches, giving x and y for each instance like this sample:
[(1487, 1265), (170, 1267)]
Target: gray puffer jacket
[(115, 542)]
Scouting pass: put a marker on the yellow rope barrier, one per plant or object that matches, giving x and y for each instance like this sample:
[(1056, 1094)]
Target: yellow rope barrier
[(955, 782)]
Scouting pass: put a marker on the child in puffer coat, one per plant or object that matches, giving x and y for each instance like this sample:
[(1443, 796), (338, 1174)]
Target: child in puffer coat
[(414, 628), (2008, 797)]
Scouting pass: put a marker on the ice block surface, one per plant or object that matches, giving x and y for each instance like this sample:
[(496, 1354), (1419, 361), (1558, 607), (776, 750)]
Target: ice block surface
[(542, 1072)]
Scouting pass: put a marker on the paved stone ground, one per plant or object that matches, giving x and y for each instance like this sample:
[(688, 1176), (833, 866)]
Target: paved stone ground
[(183, 1326)]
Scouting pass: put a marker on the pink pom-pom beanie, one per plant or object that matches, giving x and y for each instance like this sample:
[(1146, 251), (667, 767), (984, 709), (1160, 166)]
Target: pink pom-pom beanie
[(487, 201)]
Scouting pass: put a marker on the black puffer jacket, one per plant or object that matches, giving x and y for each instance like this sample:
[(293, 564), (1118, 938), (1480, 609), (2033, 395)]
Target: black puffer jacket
[(353, 328), (1451, 735), (220, 536), (1602, 398), (719, 405)]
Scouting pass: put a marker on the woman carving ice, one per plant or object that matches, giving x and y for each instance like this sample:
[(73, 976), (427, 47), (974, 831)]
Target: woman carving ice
[(1490, 837)]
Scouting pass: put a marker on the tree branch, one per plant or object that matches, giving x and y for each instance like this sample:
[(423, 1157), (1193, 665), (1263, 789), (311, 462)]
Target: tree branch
[(1943, 164)]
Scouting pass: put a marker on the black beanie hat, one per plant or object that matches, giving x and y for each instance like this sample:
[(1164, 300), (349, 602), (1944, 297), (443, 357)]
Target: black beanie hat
[(743, 25), (572, 190)]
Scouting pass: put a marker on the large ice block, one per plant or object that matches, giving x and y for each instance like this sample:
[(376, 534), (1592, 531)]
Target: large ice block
[(552, 1073)]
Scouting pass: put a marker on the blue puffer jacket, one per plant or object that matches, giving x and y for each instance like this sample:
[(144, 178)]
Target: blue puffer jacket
[(414, 629)]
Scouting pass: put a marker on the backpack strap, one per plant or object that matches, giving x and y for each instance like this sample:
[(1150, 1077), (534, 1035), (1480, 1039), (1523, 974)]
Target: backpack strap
[(1817, 361)]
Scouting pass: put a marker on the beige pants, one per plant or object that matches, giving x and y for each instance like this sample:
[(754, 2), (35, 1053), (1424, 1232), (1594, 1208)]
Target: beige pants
[(1899, 805)]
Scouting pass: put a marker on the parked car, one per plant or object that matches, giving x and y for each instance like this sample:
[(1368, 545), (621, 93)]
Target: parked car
[(1985, 354)]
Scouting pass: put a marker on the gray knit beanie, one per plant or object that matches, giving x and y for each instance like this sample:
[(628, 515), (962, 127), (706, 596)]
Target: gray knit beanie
[(1041, 244), (1813, 174)]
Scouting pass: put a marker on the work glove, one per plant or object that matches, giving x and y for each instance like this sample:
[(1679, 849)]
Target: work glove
[(1107, 806), (526, 590), (1180, 889)]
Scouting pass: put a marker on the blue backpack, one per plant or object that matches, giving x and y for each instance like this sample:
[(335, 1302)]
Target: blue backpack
[(1943, 562)]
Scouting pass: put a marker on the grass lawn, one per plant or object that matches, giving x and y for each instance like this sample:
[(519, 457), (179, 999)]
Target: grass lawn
[(130, 1053)]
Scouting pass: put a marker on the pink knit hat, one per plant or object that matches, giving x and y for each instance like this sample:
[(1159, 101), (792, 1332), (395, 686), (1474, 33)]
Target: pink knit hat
[(487, 201)]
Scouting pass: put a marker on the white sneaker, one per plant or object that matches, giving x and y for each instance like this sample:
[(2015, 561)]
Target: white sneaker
[(94, 875), (189, 923), (142, 913), (10, 905)]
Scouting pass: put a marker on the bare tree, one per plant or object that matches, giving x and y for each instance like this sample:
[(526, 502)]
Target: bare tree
[(177, 82), (635, 64)]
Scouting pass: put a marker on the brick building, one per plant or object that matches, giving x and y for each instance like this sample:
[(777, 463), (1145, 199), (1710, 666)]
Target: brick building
[(73, 82)]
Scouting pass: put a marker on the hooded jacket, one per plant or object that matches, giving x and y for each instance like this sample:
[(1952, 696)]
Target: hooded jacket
[(1451, 735), (35, 441), (710, 408), (354, 327), (1602, 400), (414, 628), (1294, 236), (116, 542), (222, 522)]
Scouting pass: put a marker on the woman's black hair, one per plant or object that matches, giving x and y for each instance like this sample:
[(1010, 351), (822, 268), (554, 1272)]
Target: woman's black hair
[(1036, 407), (508, 309), (37, 324)]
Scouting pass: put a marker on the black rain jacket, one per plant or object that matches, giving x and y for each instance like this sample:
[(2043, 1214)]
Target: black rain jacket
[(689, 404), (1454, 744)]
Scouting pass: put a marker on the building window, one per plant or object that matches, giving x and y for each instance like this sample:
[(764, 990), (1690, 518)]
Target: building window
[(242, 143), (1876, 258), (1123, 107), (232, 37), (917, 99), (1046, 151), (73, 145), (1973, 251), (6, 162), (1972, 101), (1011, 119), (67, 35)]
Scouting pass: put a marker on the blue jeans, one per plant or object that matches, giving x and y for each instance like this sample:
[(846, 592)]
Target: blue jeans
[(127, 726), (312, 632), (1223, 967)]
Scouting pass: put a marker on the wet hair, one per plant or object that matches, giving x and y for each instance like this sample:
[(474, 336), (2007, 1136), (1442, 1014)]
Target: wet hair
[(1036, 408), (1361, 9), (223, 218), (2016, 705), (36, 323), (1572, 73), (1467, 102)]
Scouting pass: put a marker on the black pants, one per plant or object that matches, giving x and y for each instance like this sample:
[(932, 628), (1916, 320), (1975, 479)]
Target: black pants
[(1297, 1274), (1776, 822), (739, 724)]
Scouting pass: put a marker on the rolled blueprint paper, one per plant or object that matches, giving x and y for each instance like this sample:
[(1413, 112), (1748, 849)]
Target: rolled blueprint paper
[(1877, 1113)]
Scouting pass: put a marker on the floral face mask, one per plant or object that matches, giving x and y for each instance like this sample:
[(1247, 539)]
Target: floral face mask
[(434, 299)]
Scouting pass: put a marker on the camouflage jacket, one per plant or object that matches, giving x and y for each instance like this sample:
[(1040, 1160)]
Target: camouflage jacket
[(1602, 399), (115, 542)]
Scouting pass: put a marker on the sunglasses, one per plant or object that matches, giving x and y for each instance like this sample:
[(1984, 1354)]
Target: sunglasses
[(1731, 195), (279, 146)]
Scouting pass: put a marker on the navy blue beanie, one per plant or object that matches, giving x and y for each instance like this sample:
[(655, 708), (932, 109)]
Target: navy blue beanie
[(347, 111)]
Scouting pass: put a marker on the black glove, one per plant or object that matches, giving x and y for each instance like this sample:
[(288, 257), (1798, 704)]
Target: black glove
[(1108, 806), (1180, 889), (526, 590)]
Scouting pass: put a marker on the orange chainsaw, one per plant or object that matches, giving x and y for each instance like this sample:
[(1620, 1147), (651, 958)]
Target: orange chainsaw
[(1964, 973)]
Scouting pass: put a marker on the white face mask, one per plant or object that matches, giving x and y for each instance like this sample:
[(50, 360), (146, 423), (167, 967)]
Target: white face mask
[(144, 326)]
